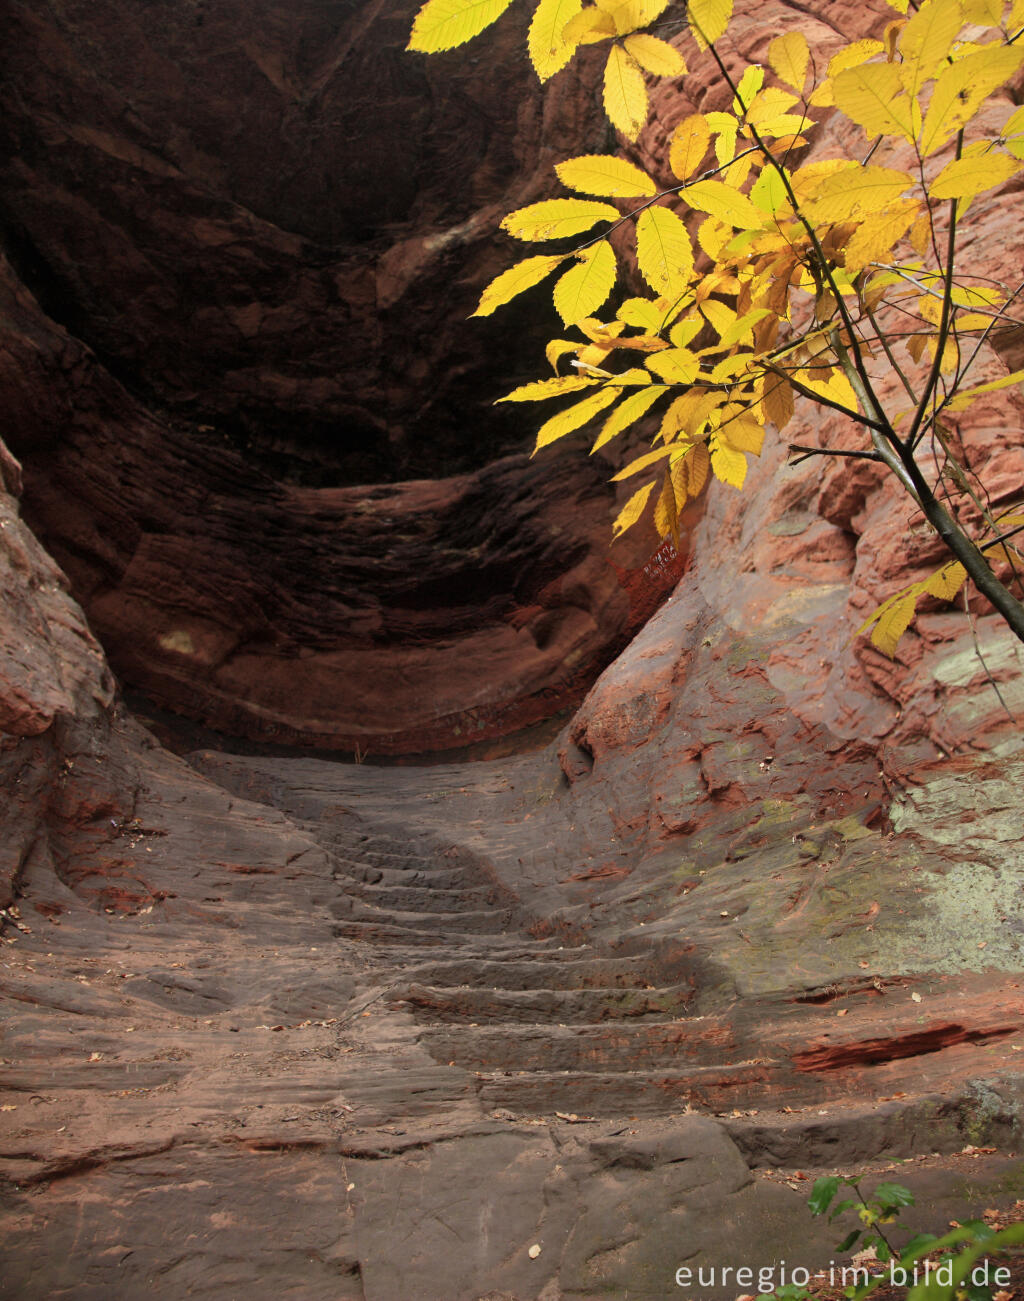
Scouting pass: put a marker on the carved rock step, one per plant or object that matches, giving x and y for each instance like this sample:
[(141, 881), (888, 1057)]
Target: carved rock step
[(559, 968), (538, 1006), (443, 878), (468, 922), (408, 898), (579, 1048), (623, 1093)]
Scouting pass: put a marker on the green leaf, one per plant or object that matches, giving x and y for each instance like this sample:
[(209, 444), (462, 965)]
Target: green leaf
[(822, 1193), (890, 1195), (444, 24)]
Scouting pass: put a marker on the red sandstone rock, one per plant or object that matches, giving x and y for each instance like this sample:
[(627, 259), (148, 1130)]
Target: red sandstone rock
[(281, 1025)]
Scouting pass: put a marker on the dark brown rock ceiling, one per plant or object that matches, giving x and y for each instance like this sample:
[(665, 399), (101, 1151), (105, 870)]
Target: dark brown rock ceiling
[(540, 1028), (257, 430)]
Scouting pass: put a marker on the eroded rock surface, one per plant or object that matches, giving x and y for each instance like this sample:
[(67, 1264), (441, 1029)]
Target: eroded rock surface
[(281, 1026)]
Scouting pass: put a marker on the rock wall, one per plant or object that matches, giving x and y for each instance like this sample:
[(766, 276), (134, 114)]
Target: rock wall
[(278, 1025)]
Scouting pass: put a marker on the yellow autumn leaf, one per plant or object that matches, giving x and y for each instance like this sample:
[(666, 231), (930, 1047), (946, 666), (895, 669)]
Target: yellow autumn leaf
[(677, 365), (742, 329), (664, 251), (689, 414), (964, 177), (558, 348), (691, 471), (892, 623), (666, 518), (539, 389), (549, 52), (857, 191), (557, 218), (688, 145), (444, 24), (747, 88), (873, 240), (770, 104), (725, 131), (604, 174), (587, 28), (655, 55), (685, 331), (642, 463), (644, 313), (984, 12), (730, 367), (628, 411), (574, 417), (727, 465), (708, 20), (1013, 133), (720, 314), (872, 96), (516, 280), (966, 396), (743, 434), (632, 510), (788, 56), (854, 53), (643, 342), (584, 287), (830, 384), (926, 40), (769, 192), (777, 400), (625, 92), (962, 87), (631, 15), (724, 203), (947, 581), (601, 332)]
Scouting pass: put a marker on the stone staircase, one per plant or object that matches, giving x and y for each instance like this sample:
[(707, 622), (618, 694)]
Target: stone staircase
[(536, 1021)]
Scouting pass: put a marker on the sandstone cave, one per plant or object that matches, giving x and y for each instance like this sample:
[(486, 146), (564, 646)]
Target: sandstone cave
[(407, 895)]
